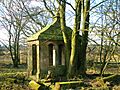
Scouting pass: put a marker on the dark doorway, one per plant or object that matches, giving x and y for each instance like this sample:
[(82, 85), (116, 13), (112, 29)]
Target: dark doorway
[(34, 59), (60, 50), (52, 55)]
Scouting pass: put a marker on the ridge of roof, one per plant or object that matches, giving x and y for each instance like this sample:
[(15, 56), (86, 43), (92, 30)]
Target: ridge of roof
[(36, 35)]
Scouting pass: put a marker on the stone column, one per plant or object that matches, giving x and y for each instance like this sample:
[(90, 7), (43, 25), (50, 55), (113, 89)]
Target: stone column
[(29, 61), (38, 63)]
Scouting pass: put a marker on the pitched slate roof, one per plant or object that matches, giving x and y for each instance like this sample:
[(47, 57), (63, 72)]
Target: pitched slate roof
[(50, 32)]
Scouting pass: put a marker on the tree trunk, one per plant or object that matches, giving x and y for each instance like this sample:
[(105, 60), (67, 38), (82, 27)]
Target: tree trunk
[(84, 41), (14, 50), (77, 58), (64, 32), (18, 48), (15, 63), (74, 42), (82, 11)]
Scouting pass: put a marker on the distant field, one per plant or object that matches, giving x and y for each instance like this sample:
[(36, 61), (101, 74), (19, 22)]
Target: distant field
[(7, 59)]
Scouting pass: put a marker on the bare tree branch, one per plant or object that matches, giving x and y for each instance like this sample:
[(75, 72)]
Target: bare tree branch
[(66, 3), (27, 11), (98, 4), (45, 4)]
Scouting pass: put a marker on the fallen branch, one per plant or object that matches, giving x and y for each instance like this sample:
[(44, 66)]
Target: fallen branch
[(70, 82), (109, 77)]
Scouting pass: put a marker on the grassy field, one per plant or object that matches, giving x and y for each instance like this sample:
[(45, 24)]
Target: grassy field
[(16, 78), (13, 78)]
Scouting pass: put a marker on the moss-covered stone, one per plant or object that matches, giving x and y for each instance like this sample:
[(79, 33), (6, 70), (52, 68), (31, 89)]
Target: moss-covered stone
[(98, 84), (33, 85)]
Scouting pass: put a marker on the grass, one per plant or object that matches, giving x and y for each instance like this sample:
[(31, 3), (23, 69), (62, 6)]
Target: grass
[(13, 78), (16, 78)]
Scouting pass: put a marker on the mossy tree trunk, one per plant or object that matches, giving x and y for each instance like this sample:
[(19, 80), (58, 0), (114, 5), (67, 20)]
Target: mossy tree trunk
[(74, 44), (77, 63), (76, 57), (84, 40), (62, 6)]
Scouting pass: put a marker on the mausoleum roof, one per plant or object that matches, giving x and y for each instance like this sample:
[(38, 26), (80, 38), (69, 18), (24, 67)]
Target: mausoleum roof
[(50, 32)]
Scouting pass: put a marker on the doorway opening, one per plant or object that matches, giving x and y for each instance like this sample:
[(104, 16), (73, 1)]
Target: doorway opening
[(52, 55), (34, 59)]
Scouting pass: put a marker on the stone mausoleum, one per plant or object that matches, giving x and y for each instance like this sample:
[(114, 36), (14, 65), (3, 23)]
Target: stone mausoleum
[(46, 50)]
